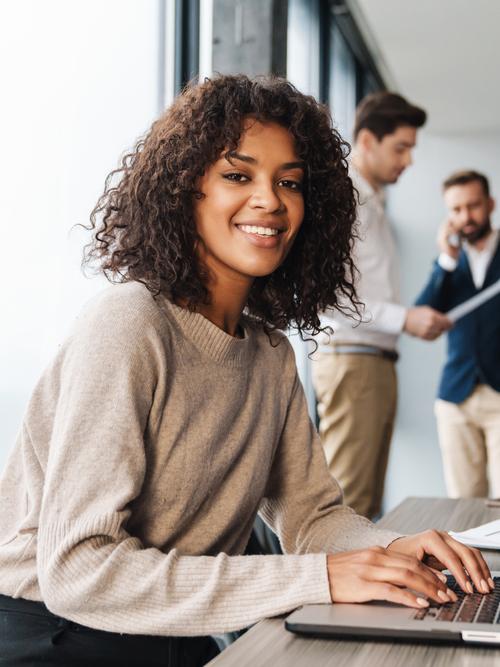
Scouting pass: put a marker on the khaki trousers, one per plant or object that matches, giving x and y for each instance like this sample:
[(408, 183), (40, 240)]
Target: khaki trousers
[(469, 437), (357, 395)]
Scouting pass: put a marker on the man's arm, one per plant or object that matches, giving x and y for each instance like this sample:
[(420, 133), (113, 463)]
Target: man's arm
[(435, 292), (392, 318), (425, 322), (420, 321)]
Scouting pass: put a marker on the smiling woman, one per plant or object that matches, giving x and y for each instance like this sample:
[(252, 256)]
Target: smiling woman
[(173, 413), (299, 161), (252, 201)]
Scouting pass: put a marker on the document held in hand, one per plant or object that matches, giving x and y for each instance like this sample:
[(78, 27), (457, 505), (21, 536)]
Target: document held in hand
[(486, 536), (474, 302)]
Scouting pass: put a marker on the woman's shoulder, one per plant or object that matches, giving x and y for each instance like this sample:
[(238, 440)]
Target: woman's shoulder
[(124, 301), (123, 297), (119, 310)]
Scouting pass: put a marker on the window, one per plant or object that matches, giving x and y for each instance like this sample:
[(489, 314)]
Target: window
[(341, 82), (328, 58), (349, 71), (81, 83)]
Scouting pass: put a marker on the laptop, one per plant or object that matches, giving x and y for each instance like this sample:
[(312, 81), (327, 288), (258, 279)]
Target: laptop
[(473, 619)]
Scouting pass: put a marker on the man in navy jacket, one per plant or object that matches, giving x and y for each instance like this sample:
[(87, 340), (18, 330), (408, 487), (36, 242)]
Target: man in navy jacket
[(468, 405)]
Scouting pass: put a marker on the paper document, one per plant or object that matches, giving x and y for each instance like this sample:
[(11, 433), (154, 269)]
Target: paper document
[(474, 302), (486, 536)]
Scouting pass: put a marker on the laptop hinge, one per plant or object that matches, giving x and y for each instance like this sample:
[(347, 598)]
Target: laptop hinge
[(478, 636)]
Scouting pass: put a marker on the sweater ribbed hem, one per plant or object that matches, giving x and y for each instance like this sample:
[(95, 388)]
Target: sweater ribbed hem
[(200, 594)]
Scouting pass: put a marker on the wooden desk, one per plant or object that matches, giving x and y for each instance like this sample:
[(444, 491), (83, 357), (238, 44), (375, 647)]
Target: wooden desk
[(268, 644)]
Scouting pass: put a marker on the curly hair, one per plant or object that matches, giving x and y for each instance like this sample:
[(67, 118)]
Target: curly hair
[(147, 231)]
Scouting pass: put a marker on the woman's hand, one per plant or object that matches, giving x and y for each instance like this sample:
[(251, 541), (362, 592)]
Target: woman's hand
[(439, 550), (383, 574)]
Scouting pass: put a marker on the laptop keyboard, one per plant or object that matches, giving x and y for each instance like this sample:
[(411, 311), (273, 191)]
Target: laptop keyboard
[(474, 608)]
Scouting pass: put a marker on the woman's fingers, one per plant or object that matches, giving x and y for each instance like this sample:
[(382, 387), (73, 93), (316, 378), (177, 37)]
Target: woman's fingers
[(391, 593), (413, 579), (434, 563), (474, 563), (460, 560), (442, 577), (484, 567), (440, 550), (433, 577), (402, 577)]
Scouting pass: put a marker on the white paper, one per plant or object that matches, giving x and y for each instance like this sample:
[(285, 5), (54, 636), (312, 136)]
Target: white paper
[(474, 302), (486, 536)]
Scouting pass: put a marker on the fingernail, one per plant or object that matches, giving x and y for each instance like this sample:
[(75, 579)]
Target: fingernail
[(422, 602), (491, 582), (484, 586), (451, 594), (443, 596), (468, 587), (442, 576)]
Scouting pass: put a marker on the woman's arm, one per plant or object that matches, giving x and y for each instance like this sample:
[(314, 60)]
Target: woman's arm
[(91, 569), (303, 505)]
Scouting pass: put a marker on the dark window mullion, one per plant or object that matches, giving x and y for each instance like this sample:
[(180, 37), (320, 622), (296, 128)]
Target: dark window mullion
[(352, 35), (187, 41), (325, 51)]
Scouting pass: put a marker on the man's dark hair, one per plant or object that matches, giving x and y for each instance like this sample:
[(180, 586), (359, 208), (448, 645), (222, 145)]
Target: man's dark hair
[(467, 176), (382, 113)]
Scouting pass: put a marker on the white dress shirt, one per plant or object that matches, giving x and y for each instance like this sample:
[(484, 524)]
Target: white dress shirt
[(479, 260), (377, 284)]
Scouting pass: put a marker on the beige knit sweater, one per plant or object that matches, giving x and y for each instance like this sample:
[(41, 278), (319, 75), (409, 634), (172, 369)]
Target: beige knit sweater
[(148, 447)]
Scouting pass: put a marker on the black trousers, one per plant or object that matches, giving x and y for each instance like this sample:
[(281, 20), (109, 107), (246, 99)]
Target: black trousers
[(31, 635)]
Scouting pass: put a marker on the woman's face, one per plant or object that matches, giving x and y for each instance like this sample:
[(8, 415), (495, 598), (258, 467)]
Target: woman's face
[(253, 205)]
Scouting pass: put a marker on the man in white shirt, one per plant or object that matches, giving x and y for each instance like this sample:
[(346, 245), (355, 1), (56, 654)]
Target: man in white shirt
[(468, 405), (354, 370)]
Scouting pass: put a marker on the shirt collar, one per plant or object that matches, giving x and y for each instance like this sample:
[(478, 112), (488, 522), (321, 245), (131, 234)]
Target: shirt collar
[(365, 189), (489, 247)]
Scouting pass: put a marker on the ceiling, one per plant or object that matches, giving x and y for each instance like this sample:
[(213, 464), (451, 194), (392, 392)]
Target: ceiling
[(441, 54)]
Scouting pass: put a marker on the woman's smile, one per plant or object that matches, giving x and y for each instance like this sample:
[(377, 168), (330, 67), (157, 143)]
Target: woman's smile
[(262, 235)]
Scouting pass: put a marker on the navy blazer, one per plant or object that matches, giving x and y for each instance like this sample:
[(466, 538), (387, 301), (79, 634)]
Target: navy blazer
[(474, 341)]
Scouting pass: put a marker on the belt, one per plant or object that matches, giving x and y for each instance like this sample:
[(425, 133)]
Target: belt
[(341, 348)]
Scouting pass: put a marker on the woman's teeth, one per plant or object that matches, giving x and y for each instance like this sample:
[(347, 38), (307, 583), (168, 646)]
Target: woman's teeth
[(262, 231)]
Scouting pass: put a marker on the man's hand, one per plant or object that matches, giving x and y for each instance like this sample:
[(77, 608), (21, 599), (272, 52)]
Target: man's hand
[(426, 323), (447, 232)]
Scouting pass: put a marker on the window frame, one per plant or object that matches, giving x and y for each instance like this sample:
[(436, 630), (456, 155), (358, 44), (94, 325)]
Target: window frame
[(365, 67)]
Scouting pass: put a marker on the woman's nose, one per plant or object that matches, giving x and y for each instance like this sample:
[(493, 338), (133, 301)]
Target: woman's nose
[(265, 196)]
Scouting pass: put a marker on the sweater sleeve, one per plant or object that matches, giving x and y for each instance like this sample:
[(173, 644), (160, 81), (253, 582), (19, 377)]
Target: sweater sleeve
[(91, 570), (303, 502)]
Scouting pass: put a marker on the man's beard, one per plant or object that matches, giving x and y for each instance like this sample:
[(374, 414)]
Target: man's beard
[(478, 233)]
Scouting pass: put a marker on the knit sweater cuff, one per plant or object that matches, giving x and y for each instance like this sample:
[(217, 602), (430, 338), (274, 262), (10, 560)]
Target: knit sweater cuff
[(97, 581)]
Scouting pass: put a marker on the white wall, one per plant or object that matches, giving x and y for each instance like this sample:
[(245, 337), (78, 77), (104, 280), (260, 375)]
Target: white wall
[(79, 85), (416, 210)]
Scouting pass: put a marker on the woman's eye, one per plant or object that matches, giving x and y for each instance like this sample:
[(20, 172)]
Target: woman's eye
[(236, 177), (292, 185)]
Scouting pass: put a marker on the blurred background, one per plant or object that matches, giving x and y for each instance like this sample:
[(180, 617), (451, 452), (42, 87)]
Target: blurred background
[(82, 80)]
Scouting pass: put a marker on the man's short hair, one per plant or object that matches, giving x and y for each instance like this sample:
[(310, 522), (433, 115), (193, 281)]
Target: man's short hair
[(382, 113), (467, 176)]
